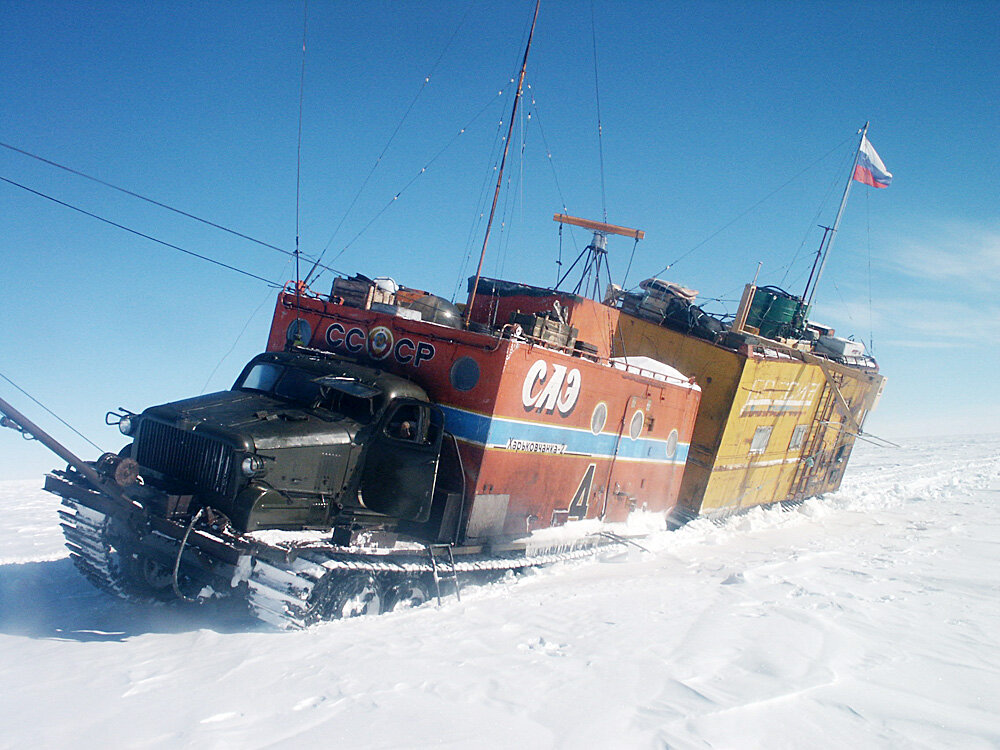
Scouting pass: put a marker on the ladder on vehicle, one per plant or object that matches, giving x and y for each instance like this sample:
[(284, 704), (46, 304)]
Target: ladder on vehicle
[(443, 568), (805, 472)]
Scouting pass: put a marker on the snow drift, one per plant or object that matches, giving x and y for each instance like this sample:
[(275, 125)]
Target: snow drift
[(867, 619)]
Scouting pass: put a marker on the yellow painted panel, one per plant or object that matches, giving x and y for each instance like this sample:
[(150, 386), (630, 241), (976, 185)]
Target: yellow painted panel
[(774, 397), (743, 397)]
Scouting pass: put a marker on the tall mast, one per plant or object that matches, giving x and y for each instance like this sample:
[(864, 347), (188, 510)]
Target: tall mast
[(298, 160), (503, 160), (840, 213)]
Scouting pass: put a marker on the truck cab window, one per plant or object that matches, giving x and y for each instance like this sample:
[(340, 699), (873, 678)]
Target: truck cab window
[(289, 383), (415, 423), (406, 424), (355, 400), (298, 386), (261, 377), (359, 409)]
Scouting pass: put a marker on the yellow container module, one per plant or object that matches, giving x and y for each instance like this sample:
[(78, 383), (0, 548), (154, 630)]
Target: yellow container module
[(775, 423)]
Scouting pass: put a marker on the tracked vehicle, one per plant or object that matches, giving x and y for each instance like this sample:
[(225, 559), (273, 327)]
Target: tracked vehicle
[(327, 484), (302, 441), (387, 439)]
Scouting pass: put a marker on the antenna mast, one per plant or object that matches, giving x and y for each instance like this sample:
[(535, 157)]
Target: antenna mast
[(503, 160), (597, 250), (298, 154)]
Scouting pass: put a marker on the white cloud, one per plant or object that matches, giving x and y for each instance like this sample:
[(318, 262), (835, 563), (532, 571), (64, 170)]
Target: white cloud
[(916, 319), (922, 344), (953, 251), (935, 289), (941, 320)]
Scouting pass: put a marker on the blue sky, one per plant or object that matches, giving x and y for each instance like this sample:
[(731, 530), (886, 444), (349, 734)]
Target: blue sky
[(727, 131)]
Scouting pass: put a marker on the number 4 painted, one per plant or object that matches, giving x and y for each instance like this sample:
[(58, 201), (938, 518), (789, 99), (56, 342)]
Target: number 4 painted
[(578, 505)]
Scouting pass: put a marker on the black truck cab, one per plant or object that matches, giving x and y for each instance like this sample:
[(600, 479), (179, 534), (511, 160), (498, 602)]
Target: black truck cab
[(302, 440)]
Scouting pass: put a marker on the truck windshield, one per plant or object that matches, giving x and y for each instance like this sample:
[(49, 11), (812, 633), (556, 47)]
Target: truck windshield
[(261, 378), (304, 388)]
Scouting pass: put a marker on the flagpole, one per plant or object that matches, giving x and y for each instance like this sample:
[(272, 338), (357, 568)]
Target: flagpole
[(840, 213)]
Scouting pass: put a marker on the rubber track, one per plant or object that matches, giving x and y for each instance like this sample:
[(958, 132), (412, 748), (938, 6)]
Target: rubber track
[(280, 593), (84, 530)]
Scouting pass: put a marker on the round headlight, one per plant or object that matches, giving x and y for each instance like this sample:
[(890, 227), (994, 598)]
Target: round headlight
[(252, 466), (126, 426)]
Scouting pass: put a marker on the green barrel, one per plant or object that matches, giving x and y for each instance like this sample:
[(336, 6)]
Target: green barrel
[(773, 312)]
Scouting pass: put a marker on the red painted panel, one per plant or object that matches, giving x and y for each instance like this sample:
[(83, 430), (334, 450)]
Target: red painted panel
[(531, 405)]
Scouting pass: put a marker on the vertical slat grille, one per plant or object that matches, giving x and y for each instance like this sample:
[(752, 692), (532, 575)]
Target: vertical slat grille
[(186, 457)]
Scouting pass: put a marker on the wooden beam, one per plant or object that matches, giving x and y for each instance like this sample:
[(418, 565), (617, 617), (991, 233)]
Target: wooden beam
[(839, 400), (598, 226)]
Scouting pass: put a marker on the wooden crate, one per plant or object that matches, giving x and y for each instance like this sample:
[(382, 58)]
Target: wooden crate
[(356, 292), (545, 328)]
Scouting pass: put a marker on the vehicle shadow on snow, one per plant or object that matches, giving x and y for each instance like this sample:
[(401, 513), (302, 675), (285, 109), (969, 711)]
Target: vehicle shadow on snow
[(52, 600)]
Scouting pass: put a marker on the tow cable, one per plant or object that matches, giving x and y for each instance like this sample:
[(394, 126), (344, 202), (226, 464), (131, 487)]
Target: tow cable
[(177, 562), (620, 539)]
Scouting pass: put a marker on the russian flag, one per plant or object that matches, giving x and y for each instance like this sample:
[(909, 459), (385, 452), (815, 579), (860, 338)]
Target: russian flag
[(870, 170)]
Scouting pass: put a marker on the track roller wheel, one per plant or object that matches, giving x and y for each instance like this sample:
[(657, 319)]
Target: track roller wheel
[(106, 551), (140, 577), (338, 596), (405, 594)]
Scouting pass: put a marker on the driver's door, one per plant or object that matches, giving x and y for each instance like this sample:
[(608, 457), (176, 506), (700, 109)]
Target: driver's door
[(401, 461)]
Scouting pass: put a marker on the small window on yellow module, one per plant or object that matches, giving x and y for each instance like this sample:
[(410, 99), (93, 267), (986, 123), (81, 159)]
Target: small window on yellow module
[(761, 436), (798, 437)]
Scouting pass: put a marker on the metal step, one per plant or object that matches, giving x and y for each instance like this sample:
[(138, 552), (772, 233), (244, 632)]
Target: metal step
[(449, 570)]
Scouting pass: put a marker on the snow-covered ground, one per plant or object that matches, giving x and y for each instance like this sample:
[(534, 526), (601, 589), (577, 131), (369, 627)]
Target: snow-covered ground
[(868, 619)]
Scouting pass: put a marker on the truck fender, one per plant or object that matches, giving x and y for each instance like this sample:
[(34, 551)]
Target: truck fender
[(259, 503)]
